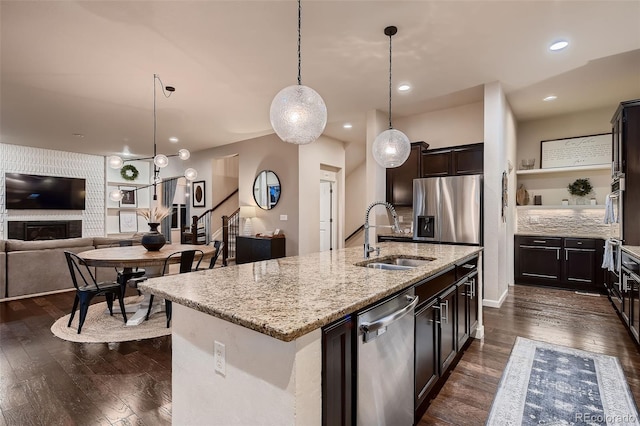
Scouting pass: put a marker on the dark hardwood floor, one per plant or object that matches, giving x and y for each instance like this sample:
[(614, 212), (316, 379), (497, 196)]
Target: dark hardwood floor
[(48, 381), (586, 322)]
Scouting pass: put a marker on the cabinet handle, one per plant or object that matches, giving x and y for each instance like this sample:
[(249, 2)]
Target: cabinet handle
[(444, 318), (469, 266), (472, 287), (557, 254), (540, 241), (566, 254)]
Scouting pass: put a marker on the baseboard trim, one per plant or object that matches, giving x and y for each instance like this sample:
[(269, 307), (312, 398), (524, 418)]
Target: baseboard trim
[(495, 303), (27, 296)]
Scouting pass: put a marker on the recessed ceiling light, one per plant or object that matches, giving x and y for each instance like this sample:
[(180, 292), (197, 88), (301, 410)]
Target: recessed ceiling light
[(404, 88), (347, 125), (77, 135), (550, 98), (173, 139), (559, 45)]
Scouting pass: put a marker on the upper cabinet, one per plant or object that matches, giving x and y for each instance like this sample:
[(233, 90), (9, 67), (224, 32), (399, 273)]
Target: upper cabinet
[(459, 160), (400, 179), (462, 160)]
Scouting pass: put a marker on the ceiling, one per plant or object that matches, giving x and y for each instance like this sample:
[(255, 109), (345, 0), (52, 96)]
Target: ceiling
[(87, 67)]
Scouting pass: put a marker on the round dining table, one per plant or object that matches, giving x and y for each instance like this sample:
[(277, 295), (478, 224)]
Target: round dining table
[(135, 256)]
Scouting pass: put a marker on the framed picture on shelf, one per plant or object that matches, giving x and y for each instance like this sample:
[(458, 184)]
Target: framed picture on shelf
[(198, 194), (576, 151), (128, 196), (128, 221)]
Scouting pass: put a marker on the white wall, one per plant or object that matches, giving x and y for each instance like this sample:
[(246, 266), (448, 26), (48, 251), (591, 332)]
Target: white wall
[(254, 155), (496, 247), (355, 201), (37, 161), (312, 158), (448, 127), (553, 187)]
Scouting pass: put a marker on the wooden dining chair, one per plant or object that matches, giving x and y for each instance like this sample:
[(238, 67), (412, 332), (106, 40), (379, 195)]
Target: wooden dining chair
[(87, 288), (187, 259)]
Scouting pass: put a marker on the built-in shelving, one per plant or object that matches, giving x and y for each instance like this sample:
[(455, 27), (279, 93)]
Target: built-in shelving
[(564, 169)]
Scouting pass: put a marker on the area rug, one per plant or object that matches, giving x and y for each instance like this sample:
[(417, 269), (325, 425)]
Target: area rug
[(545, 384), (100, 327)]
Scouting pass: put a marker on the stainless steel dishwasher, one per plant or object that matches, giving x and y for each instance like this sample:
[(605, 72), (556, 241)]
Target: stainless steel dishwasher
[(385, 362)]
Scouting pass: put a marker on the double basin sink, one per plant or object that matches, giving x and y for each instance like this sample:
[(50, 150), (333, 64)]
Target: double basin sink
[(396, 263)]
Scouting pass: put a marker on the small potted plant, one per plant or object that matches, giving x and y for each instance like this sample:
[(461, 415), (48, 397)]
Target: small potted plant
[(580, 188)]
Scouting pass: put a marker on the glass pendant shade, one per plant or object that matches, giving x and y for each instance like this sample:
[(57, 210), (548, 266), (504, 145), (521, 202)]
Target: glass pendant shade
[(115, 162), (115, 195), (190, 174), (184, 154), (161, 160), (298, 114), (391, 148)]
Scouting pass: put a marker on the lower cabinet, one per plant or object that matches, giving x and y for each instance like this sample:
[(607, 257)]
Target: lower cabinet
[(571, 263), (338, 373), (445, 319)]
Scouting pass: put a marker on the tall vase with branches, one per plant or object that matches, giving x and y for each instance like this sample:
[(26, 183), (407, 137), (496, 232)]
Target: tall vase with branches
[(154, 240)]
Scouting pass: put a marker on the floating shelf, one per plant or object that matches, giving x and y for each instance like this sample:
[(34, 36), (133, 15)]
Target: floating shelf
[(569, 207), (564, 169)]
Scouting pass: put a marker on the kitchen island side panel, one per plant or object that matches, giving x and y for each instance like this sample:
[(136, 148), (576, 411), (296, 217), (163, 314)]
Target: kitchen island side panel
[(267, 381)]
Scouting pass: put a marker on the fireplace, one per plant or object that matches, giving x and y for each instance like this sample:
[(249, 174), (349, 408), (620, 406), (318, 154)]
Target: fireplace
[(44, 230)]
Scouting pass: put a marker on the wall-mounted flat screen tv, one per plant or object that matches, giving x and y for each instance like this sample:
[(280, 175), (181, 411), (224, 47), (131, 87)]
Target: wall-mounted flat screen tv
[(43, 192)]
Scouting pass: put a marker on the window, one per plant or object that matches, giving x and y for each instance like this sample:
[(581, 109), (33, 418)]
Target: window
[(179, 216)]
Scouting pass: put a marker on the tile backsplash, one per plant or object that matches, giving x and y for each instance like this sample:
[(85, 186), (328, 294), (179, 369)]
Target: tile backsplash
[(586, 222)]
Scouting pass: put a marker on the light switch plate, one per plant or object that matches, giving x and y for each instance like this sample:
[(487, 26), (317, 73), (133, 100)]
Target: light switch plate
[(284, 217)]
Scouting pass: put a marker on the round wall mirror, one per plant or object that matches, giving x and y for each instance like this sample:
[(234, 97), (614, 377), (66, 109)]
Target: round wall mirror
[(266, 189)]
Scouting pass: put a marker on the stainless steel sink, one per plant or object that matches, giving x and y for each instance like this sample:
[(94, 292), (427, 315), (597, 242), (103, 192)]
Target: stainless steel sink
[(396, 263)]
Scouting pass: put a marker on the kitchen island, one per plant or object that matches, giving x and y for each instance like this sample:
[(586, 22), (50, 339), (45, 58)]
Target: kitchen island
[(269, 315)]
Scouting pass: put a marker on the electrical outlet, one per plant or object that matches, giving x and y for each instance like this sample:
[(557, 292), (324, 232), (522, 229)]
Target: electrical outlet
[(534, 219), (400, 218), (284, 217), (219, 358)]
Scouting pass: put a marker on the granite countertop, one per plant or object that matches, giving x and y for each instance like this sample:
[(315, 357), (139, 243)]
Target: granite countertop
[(289, 297), (633, 250)]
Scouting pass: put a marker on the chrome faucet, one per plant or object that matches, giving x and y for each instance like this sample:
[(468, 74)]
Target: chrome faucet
[(395, 227)]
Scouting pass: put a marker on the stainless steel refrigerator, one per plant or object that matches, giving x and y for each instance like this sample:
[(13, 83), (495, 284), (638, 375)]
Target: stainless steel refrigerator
[(448, 209)]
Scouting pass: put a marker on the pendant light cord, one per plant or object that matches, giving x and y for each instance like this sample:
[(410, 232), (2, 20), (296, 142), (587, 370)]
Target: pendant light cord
[(390, 82), (299, 25), (156, 169)]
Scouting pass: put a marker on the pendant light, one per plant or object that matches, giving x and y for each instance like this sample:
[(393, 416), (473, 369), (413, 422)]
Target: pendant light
[(391, 148), (160, 161), (298, 113)]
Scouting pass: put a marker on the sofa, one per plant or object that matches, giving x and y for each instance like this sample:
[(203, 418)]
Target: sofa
[(29, 268)]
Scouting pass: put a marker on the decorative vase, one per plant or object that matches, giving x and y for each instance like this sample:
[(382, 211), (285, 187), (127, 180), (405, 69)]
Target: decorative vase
[(153, 240)]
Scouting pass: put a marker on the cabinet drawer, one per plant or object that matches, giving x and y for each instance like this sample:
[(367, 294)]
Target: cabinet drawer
[(580, 243), (434, 285), (466, 267), (540, 241)]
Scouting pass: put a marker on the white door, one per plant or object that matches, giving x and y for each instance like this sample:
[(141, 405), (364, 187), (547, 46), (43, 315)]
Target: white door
[(326, 216)]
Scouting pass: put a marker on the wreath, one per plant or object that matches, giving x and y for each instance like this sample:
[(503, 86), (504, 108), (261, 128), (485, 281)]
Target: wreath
[(580, 187), (129, 172)]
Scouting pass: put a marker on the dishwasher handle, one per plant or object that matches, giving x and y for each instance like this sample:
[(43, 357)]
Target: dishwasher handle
[(371, 330)]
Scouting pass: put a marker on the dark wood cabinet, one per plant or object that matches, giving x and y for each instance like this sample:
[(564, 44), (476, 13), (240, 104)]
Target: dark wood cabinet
[(253, 249), (426, 361), (338, 379), (571, 263), (462, 160), (468, 160), (448, 320), (400, 179), (436, 163), (626, 150)]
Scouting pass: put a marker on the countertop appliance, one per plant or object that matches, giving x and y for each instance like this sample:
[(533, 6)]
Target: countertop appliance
[(448, 209), (385, 362)]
